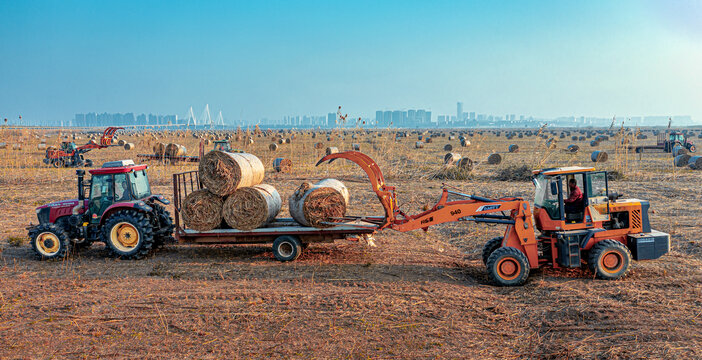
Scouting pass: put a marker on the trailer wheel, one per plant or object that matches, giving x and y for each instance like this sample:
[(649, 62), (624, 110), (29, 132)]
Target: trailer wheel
[(49, 242), (639, 149), (507, 266), (287, 248), (128, 234), (490, 246), (609, 260)]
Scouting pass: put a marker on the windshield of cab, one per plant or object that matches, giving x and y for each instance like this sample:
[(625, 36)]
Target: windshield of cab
[(543, 197), (140, 184)]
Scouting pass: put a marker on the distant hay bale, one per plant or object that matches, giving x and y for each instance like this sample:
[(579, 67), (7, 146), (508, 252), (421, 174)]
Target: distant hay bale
[(41, 146), (314, 204), (174, 149), (448, 147), (573, 148), (465, 142), (419, 145), (451, 158), (594, 143), (428, 140), (273, 147), (332, 150), (202, 210), (223, 172), (494, 159), (159, 148), (128, 146), (281, 141), (121, 142), (318, 146), (356, 147), (599, 156), (514, 148), (251, 207), (465, 164), (679, 150), (682, 160), (282, 165), (16, 146), (695, 162)]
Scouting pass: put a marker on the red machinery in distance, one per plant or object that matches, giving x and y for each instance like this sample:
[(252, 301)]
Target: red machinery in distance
[(602, 234), (70, 155)]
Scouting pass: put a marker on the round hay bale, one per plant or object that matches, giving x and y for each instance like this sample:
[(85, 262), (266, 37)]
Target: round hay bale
[(129, 146), (332, 150), (41, 146), (16, 146), (465, 164), (273, 147), (318, 146), (451, 158), (174, 149), (682, 160), (356, 147), (159, 148), (573, 148), (494, 159), (121, 142), (202, 210), (679, 150), (465, 142), (3, 145), (313, 204), (448, 147), (429, 140), (419, 145), (223, 172), (287, 140), (594, 143), (282, 165), (599, 156), (252, 207), (695, 162), (514, 148), (281, 141)]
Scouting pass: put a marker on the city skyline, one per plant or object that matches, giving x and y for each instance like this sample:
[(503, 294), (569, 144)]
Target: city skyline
[(266, 60)]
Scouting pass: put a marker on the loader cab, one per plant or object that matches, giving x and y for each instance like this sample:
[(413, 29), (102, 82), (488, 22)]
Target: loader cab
[(555, 205), (116, 182)]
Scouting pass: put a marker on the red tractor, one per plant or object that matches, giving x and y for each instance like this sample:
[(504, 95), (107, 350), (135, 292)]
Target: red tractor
[(70, 155), (119, 211)]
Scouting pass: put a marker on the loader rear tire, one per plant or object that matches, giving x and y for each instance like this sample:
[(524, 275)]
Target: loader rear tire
[(507, 266), (128, 234), (490, 246), (609, 260)]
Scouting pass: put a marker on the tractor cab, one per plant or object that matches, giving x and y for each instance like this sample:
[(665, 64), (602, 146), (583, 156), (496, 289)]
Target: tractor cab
[(117, 182), (68, 146), (224, 145), (570, 198)]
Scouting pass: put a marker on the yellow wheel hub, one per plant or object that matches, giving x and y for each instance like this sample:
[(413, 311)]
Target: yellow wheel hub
[(124, 236), (48, 243)]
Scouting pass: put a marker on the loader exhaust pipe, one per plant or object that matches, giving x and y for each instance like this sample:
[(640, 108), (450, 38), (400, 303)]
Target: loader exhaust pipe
[(81, 189)]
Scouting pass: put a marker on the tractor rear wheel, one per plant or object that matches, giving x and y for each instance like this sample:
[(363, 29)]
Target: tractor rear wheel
[(507, 266), (609, 260), (49, 241), (128, 234), (490, 246)]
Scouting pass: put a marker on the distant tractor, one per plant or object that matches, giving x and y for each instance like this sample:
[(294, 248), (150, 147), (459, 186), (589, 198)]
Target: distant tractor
[(119, 211), (71, 155), (667, 141)]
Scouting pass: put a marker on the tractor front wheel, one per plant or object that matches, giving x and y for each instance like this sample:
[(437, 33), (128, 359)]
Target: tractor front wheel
[(49, 241), (490, 246), (128, 234), (507, 266), (609, 260)]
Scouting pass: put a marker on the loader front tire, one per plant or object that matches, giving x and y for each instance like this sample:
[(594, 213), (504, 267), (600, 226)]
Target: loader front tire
[(507, 266)]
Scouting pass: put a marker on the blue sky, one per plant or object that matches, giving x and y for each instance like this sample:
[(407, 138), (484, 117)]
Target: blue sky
[(272, 58)]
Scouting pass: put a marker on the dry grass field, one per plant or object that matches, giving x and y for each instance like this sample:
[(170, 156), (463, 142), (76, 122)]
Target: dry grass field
[(415, 295)]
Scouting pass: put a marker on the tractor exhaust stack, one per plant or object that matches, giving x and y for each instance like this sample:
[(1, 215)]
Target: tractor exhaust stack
[(81, 190)]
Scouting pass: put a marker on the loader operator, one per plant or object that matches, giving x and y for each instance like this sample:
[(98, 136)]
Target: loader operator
[(574, 203)]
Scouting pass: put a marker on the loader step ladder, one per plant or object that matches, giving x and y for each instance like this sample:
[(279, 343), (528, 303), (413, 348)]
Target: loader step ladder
[(568, 245)]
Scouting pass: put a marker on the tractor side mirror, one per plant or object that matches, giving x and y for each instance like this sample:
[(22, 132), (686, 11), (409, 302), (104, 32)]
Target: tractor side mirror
[(554, 188)]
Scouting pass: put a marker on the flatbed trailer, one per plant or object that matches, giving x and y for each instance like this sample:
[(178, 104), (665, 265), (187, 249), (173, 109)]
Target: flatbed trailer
[(169, 159), (288, 237)]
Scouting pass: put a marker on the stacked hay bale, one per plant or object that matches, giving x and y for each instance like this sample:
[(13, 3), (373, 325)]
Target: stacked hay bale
[(318, 204), (681, 160), (174, 149), (695, 162), (232, 194)]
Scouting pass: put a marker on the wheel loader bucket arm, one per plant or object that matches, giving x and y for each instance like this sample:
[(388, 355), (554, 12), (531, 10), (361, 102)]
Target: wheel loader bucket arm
[(385, 193)]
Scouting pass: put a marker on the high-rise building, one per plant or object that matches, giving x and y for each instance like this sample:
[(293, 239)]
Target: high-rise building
[(472, 116), (379, 118), (459, 111)]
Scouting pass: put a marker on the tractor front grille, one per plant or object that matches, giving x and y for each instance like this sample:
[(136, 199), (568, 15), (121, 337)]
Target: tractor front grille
[(43, 215), (636, 219)]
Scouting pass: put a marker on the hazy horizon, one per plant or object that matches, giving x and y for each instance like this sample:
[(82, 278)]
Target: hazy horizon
[(270, 59)]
